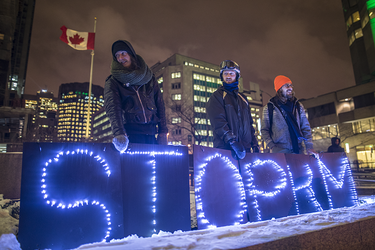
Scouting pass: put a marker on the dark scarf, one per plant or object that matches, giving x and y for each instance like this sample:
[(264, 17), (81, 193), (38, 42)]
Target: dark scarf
[(294, 131), (231, 87), (136, 77)]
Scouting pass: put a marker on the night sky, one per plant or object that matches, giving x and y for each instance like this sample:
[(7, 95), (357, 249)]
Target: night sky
[(304, 40)]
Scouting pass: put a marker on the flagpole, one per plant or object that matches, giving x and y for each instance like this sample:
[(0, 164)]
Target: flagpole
[(90, 84)]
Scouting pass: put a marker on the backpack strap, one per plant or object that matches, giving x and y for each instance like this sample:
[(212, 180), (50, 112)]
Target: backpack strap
[(270, 115)]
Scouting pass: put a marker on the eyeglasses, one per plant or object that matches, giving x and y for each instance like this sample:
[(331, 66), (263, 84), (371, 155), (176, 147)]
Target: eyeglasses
[(288, 85)]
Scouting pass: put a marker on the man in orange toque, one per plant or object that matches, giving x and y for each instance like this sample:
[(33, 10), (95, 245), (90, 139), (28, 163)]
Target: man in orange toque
[(285, 127)]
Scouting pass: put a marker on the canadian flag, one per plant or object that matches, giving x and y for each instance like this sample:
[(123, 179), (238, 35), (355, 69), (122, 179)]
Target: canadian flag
[(78, 40)]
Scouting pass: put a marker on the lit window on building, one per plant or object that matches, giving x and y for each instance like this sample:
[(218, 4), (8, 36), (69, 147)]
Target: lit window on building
[(199, 109), (199, 98), (358, 33), (199, 77), (199, 87), (323, 132), (202, 132), (176, 97), (176, 120), (363, 126), (200, 120), (356, 17), (176, 75), (211, 90)]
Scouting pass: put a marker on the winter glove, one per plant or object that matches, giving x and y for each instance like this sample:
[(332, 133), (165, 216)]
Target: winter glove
[(312, 152), (255, 149), (121, 143), (238, 150), (162, 139)]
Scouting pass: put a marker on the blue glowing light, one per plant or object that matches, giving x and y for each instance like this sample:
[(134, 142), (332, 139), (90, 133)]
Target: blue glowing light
[(339, 181), (293, 189), (79, 203), (153, 176), (251, 188), (198, 189), (307, 185)]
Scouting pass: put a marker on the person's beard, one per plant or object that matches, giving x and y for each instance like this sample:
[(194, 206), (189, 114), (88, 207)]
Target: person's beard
[(288, 95)]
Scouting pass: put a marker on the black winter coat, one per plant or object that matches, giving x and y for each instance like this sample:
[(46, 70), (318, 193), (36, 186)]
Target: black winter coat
[(134, 109), (229, 113), (334, 147)]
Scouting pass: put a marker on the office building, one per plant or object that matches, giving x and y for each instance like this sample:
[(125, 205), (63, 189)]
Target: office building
[(101, 127), (16, 19), (187, 84), (349, 114), (359, 17), (44, 122), (73, 109), (15, 123)]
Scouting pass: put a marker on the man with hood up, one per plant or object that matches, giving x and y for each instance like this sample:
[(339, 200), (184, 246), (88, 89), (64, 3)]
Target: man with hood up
[(335, 147), (133, 101), (229, 113)]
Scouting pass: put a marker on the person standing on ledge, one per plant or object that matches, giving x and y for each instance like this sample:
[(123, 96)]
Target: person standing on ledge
[(229, 113), (133, 101), (284, 123)]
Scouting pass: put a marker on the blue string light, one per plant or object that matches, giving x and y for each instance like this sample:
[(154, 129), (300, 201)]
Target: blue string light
[(198, 189), (153, 176), (251, 188), (293, 189), (339, 181), (79, 203), (307, 185)]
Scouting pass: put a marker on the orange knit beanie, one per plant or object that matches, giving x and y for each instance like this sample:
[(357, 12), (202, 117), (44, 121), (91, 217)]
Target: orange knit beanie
[(280, 81)]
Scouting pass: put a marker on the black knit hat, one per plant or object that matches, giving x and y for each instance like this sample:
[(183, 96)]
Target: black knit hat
[(121, 46)]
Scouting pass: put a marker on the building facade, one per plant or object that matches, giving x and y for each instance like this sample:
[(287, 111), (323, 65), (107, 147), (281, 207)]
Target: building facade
[(349, 114), (73, 109), (187, 85), (15, 123), (16, 19), (101, 127), (359, 17), (44, 122)]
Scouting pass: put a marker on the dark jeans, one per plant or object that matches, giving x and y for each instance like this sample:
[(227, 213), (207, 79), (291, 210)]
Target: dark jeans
[(141, 138)]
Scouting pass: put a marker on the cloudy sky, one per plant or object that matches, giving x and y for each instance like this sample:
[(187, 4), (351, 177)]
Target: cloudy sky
[(304, 40)]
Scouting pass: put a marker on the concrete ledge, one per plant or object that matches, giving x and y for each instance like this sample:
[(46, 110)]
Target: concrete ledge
[(356, 235), (10, 175)]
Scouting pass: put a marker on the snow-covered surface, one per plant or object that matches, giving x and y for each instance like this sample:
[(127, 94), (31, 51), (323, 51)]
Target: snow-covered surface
[(9, 242), (231, 237), (249, 234)]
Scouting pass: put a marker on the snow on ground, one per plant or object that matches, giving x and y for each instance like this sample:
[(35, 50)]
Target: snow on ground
[(231, 237), (244, 235)]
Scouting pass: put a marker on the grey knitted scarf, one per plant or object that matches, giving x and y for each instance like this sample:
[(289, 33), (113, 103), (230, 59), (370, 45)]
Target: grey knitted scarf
[(133, 77)]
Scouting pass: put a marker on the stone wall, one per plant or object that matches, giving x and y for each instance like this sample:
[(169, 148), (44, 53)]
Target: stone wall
[(10, 175)]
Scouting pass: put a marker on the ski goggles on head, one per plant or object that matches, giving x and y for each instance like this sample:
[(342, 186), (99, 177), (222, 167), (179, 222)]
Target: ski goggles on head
[(229, 64)]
